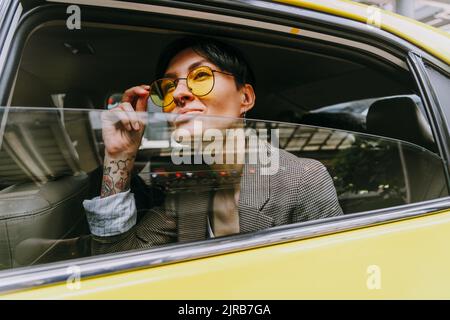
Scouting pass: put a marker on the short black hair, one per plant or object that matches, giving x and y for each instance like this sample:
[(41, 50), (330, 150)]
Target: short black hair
[(226, 57)]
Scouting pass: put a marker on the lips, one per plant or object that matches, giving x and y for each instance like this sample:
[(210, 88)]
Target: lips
[(187, 110), (188, 113), (192, 112), (187, 116)]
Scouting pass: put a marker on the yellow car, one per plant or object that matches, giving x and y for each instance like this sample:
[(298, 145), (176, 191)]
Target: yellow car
[(363, 91)]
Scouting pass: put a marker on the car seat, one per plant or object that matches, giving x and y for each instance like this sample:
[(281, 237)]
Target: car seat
[(45, 199), (401, 119), (42, 182)]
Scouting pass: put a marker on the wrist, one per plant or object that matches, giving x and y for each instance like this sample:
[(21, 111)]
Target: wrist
[(123, 155), (116, 173)]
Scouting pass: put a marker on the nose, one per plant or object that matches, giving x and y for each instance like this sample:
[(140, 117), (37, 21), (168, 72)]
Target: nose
[(182, 94)]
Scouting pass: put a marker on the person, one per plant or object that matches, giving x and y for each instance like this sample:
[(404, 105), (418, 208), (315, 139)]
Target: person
[(207, 78)]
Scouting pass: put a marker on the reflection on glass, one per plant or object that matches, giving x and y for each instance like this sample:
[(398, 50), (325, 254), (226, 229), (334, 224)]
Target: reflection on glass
[(194, 178)]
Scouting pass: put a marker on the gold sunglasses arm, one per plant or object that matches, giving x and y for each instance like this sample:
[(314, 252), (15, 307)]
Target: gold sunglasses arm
[(230, 74)]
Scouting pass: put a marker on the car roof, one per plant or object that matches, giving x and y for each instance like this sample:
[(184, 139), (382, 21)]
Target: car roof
[(430, 39)]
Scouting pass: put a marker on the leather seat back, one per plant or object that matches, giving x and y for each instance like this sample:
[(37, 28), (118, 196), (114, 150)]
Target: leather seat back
[(423, 172), (49, 211), (44, 197), (400, 118)]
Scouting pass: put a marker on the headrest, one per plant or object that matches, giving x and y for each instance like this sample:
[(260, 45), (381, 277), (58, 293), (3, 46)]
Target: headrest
[(78, 99), (400, 118)]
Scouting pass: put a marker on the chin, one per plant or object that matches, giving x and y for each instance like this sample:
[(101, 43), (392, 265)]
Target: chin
[(189, 125), (196, 124)]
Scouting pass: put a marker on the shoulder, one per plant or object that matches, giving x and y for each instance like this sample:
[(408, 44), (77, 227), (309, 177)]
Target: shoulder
[(290, 164), (301, 175), (305, 184)]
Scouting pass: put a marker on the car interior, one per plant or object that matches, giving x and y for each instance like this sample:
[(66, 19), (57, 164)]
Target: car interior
[(332, 94)]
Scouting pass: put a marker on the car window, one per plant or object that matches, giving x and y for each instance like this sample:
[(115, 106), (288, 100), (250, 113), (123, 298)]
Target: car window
[(183, 185)]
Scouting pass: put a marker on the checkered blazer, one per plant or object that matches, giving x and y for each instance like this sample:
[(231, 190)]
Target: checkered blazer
[(301, 190)]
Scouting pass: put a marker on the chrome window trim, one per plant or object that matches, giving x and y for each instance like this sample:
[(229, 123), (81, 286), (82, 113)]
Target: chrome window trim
[(237, 21), (8, 41), (53, 273), (4, 5)]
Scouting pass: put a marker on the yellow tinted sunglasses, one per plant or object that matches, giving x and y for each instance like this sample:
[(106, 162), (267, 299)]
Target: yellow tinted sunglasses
[(200, 81)]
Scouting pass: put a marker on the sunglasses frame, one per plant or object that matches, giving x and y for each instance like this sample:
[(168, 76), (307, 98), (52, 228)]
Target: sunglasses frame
[(177, 80)]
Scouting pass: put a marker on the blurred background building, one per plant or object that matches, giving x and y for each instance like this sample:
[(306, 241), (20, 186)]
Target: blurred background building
[(433, 12)]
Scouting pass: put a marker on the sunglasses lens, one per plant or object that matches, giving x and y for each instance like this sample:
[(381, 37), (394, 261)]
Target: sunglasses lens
[(161, 92), (201, 81)]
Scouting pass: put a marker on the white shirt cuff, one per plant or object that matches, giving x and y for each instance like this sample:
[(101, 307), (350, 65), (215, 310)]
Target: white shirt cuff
[(111, 215)]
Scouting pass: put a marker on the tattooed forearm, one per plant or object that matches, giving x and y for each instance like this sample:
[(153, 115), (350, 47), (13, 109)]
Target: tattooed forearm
[(116, 175)]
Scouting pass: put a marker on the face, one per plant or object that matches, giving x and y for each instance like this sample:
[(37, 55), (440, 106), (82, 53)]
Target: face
[(225, 99)]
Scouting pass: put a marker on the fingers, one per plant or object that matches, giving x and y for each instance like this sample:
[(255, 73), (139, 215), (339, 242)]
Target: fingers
[(122, 117), (126, 116), (128, 113), (142, 102), (132, 116), (137, 96)]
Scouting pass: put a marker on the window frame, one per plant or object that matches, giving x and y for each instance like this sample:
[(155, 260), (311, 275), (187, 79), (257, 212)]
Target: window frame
[(26, 277), (435, 94), (433, 108)]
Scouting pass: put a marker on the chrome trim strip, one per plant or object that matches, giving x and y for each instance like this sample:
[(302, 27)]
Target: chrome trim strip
[(354, 44), (28, 277), (9, 37), (4, 5), (237, 21)]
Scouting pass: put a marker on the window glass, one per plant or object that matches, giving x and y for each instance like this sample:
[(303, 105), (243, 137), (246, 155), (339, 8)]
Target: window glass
[(193, 178), (441, 84), (402, 117)]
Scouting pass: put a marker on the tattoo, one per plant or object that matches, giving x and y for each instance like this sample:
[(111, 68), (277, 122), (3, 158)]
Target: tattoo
[(116, 176)]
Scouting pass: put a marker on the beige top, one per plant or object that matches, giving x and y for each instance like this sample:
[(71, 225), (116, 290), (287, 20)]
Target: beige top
[(225, 212)]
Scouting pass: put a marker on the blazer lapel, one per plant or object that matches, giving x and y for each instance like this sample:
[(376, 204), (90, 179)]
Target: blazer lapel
[(192, 211), (254, 194)]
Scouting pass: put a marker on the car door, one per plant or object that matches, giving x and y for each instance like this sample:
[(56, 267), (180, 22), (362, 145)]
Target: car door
[(395, 249)]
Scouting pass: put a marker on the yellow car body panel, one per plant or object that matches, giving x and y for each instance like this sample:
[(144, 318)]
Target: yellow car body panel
[(407, 259), (430, 39)]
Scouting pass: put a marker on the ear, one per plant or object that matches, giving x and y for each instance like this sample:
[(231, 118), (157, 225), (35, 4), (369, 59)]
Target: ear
[(247, 98)]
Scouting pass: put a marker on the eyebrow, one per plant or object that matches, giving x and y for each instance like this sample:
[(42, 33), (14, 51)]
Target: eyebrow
[(192, 66)]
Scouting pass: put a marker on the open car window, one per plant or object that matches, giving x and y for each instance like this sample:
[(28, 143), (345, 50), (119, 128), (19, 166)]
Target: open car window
[(184, 181)]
